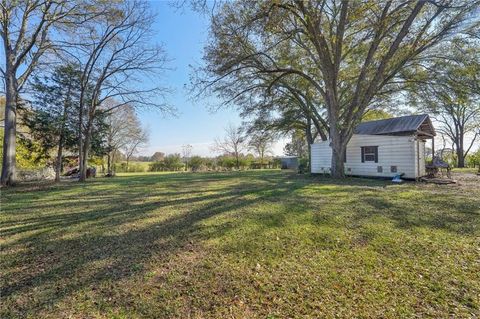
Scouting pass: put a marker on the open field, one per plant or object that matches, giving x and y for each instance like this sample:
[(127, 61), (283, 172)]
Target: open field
[(255, 244), (136, 166), (471, 170)]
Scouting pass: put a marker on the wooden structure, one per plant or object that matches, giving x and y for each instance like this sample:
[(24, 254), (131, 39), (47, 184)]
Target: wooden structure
[(383, 148), (289, 162), (438, 166)]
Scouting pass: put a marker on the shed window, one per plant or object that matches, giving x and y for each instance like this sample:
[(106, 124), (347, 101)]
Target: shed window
[(370, 154)]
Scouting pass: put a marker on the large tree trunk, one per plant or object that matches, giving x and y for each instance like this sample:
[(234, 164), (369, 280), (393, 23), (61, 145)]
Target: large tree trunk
[(460, 157), (83, 163), (86, 149), (309, 136), (460, 148), (113, 163), (58, 163), (109, 164), (80, 135), (80, 151), (8, 177), (338, 145), (338, 166), (460, 151)]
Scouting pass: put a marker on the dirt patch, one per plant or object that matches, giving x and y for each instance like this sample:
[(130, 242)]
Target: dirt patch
[(466, 179)]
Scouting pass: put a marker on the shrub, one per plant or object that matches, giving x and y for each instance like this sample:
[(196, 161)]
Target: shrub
[(227, 162), (173, 162), (156, 167), (196, 163), (132, 168), (303, 165)]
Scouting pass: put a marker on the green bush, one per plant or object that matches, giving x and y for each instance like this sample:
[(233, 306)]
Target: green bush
[(171, 162), (196, 163), (210, 163), (473, 159), (303, 165), (157, 167), (227, 162), (28, 155), (132, 168)]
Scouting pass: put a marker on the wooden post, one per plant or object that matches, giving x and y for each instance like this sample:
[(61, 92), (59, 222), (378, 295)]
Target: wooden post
[(416, 140), (433, 147), (418, 157)]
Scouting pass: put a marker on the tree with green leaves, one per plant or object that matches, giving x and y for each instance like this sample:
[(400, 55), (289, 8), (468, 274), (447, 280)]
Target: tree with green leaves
[(350, 52), (173, 162), (196, 162), (119, 61), (297, 145), (375, 115), (233, 143), (53, 119), (25, 28), (261, 142), (446, 88)]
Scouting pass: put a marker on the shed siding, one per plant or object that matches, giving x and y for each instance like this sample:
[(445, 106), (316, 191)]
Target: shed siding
[(321, 157), (399, 151)]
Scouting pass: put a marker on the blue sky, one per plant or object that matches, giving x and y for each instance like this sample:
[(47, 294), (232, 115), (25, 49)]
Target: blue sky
[(183, 34)]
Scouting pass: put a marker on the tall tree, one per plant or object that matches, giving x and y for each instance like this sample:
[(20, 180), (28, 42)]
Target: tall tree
[(187, 153), (351, 52), (261, 142), (136, 139), (122, 124), (267, 102), (297, 145), (233, 143), (24, 28), (446, 89), (53, 117), (157, 157), (118, 61)]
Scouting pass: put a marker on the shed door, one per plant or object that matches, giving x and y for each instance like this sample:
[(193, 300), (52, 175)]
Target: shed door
[(421, 157)]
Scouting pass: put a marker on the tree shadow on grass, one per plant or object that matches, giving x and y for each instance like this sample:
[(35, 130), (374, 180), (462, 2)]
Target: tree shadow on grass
[(59, 255), (449, 213), (111, 234), (350, 207)]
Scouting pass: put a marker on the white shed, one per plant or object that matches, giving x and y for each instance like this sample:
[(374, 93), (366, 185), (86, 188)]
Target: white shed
[(382, 148)]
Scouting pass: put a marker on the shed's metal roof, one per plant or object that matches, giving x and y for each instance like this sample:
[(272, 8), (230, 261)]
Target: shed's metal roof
[(397, 125)]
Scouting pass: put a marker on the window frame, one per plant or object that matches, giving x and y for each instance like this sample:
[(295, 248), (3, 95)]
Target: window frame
[(372, 151)]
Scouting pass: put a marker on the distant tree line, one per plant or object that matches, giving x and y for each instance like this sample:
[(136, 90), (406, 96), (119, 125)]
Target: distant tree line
[(175, 162), (233, 148)]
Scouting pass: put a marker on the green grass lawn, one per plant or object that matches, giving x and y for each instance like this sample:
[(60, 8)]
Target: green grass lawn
[(471, 170), (263, 244)]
